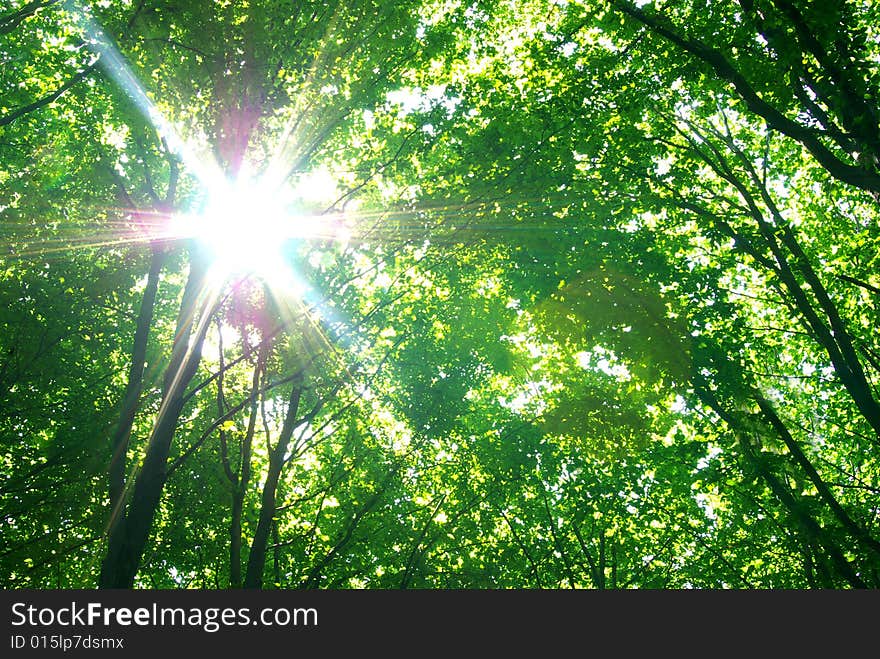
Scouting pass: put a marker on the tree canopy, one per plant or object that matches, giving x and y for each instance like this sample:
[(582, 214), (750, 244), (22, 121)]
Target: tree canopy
[(440, 294)]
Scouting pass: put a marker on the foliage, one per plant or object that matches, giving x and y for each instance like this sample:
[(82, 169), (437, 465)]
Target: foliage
[(592, 302)]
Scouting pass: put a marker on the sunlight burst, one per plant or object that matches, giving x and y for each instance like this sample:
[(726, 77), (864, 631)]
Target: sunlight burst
[(246, 229)]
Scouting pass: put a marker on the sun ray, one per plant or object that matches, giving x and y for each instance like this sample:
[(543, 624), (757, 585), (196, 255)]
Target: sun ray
[(113, 63), (202, 313), (279, 168)]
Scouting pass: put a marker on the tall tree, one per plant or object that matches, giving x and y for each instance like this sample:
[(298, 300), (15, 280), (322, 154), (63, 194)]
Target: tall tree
[(439, 295)]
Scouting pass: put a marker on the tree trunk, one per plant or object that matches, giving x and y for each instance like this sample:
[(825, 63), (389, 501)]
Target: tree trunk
[(850, 174), (131, 398), (131, 529), (257, 557), (240, 485), (812, 530), (858, 533)]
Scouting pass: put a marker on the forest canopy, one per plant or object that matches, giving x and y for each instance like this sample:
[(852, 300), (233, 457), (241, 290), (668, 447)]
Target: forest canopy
[(439, 294)]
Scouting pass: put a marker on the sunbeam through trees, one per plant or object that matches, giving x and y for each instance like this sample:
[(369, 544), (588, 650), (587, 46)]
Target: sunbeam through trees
[(439, 294)]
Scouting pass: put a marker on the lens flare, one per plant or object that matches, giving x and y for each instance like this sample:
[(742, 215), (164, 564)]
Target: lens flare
[(245, 230)]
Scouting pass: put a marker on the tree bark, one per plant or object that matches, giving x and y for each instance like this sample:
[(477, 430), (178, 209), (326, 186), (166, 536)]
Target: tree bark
[(241, 482), (43, 101), (12, 20), (130, 531), (257, 557), (802, 517), (131, 397), (849, 174), (789, 259), (858, 533)]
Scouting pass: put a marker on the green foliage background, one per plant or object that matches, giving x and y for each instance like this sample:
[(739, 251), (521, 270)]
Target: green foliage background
[(603, 313)]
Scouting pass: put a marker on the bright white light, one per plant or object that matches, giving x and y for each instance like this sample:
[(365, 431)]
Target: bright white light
[(245, 229), (317, 187)]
